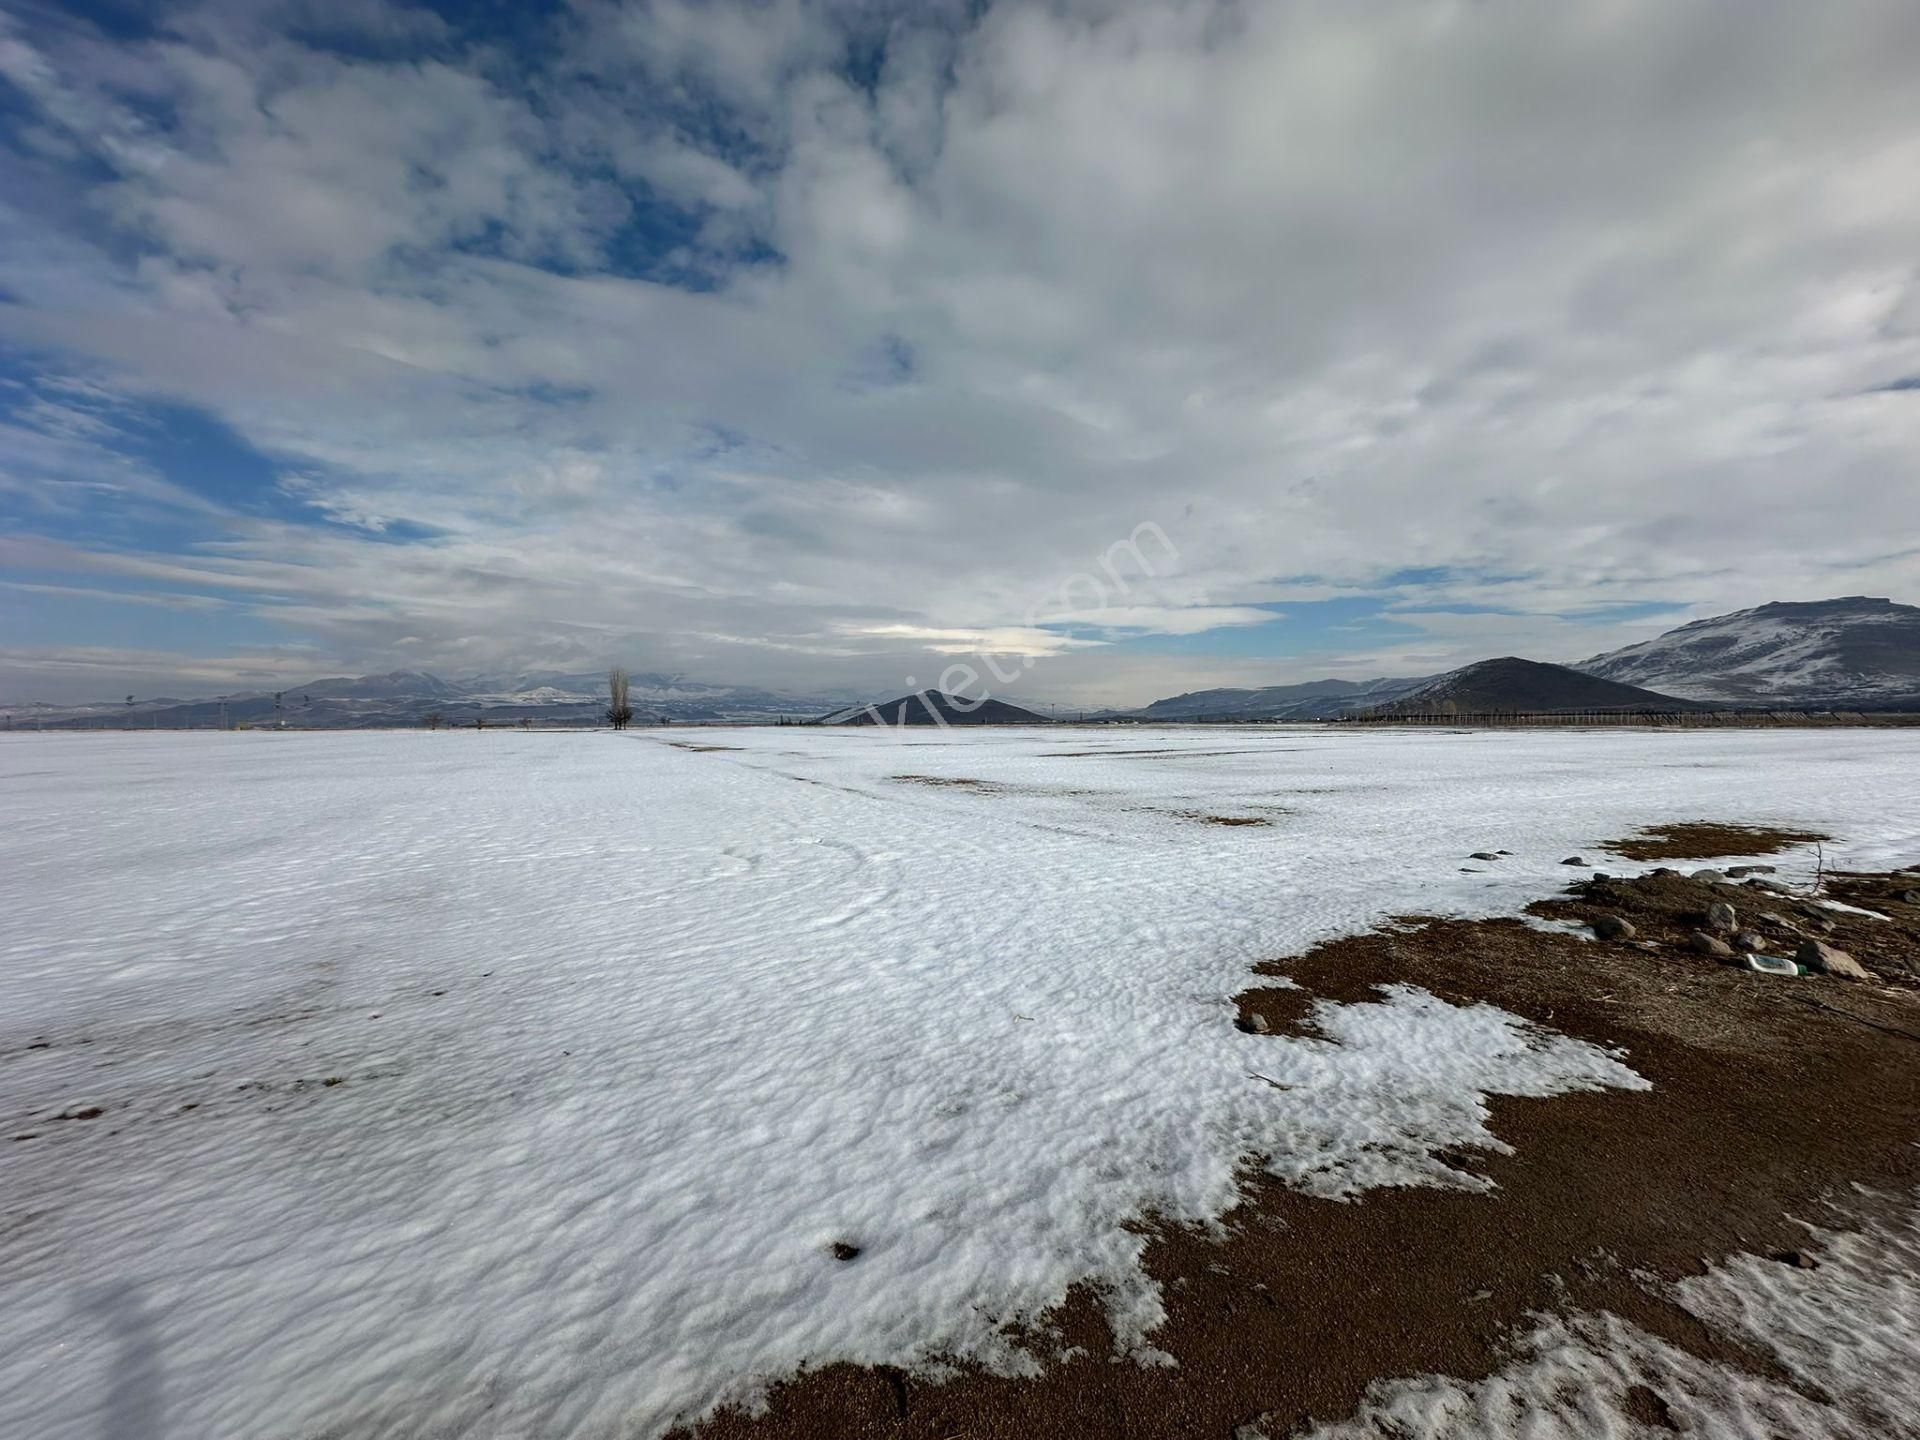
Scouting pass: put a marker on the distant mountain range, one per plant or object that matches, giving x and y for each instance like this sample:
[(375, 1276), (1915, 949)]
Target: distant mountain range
[(412, 697), (1848, 653), (1313, 700), (1852, 653)]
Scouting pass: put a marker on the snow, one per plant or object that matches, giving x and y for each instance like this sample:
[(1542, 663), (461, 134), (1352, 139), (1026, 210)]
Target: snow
[(626, 1031)]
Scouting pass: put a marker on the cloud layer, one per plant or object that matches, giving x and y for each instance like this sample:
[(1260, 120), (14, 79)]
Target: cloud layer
[(817, 344)]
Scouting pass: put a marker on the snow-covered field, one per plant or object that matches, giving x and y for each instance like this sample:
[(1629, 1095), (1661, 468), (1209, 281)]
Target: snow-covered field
[(499, 1084)]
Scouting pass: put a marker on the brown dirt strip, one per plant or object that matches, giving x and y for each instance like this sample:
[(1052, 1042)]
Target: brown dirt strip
[(1176, 752), (1703, 839), (1765, 1107), (948, 782)]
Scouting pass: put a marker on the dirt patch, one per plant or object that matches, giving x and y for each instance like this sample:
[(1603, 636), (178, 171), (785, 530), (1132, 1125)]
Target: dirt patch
[(1764, 1108), (699, 749), (1176, 751), (1646, 1406), (949, 782), (1272, 1011), (1703, 840), (1206, 819), (1666, 908), (990, 787)]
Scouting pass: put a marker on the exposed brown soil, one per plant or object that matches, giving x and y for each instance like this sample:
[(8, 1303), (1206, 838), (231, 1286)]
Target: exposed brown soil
[(1176, 751), (1896, 896), (981, 787), (951, 782), (1764, 1106), (1269, 1011), (1702, 840), (1666, 907), (1205, 819)]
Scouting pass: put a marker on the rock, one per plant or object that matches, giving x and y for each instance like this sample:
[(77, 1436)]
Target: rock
[(1665, 870), (1751, 941), (1708, 877), (1574, 860), (1799, 1259), (1613, 927), (1741, 871), (1601, 875), (842, 1250), (1721, 916), (1819, 956), (1254, 1024), (1909, 897), (1483, 855), (1704, 944)]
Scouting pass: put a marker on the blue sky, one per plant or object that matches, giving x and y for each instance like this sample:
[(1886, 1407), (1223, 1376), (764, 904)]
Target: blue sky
[(817, 345)]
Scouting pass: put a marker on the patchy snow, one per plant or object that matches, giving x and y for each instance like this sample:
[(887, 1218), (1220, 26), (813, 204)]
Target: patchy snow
[(1845, 1336), (496, 1084)]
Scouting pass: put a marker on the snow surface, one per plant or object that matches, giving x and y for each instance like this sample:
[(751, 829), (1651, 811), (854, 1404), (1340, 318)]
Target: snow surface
[(627, 1034)]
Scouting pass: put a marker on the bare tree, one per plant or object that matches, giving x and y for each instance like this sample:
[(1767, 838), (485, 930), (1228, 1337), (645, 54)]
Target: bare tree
[(619, 711)]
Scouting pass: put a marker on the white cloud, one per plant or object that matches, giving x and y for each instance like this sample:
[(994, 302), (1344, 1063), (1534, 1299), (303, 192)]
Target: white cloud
[(1576, 304), (1013, 640)]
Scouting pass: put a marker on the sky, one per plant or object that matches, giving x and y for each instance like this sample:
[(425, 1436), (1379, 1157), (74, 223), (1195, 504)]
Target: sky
[(1106, 350)]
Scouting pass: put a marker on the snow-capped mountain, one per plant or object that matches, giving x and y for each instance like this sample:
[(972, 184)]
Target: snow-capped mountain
[(1848, 653)]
